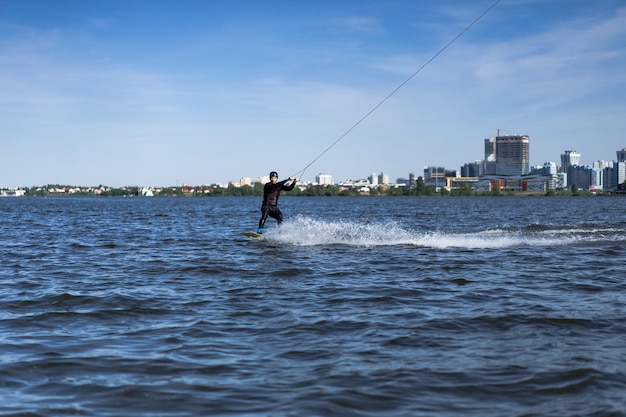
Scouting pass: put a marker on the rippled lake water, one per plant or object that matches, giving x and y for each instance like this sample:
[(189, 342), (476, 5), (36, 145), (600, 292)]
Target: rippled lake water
[(390, 306)]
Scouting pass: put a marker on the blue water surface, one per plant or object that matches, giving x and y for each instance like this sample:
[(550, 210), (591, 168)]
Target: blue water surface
[(364, 306)]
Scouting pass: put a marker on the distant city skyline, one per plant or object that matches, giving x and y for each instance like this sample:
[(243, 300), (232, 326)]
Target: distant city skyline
[(162, 93), (329, 178), (579, 160)]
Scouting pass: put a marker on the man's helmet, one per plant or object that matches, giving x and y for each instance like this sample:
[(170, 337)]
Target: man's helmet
[(273, 174)]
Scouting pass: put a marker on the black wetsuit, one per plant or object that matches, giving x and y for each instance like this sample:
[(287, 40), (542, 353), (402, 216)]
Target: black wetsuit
[(271, 192)]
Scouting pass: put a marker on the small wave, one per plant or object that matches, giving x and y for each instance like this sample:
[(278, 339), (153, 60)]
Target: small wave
[(310, 232), (306, 231)]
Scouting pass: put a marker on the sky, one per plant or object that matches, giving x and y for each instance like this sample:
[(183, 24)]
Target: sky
[(161, 93)]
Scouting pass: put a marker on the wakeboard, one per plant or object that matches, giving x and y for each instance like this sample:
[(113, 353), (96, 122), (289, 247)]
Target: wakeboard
[(254, 235)]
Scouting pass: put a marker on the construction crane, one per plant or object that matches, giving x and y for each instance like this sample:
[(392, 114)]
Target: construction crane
[(500, 130)]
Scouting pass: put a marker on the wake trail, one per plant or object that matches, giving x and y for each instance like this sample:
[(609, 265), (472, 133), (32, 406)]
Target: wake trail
[(306, 231)]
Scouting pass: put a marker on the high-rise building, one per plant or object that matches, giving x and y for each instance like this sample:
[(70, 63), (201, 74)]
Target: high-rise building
[(621, 155), (597, 180), (603, 164), (435, 176), (580, 176), (490, 149), (548, 168), (507, 155), (614, 175), (324, 179), (472, 169), (512, 155), (568, 159), (431, 173)]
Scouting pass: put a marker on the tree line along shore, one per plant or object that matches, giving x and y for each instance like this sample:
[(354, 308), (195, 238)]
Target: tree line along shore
[(419, 189)]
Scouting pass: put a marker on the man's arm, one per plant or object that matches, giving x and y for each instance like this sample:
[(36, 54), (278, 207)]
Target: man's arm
[(270, 187), (292, 185)]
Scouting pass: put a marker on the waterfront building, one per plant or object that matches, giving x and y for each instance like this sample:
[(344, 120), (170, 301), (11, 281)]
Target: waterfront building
[(460, 181), (558, 181), (439, 177), (603, 164), (580, 176), (17, 192), (488, 165), (615, 175), (568, 159), (620, 175), (506, 155), (472, 169), (408, 183), (603, 167), (597, 179), (512, 155), (431, 173), (534, 183), (435, 176), (548, 168), (324, 179)]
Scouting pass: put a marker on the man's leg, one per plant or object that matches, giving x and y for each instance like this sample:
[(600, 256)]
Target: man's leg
[(276, 213), (264, 213)]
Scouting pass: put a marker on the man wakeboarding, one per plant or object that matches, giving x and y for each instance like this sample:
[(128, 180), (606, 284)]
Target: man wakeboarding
[(271, 193)]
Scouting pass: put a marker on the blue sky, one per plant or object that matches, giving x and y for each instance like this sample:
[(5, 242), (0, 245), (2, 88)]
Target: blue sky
[(149, 92)]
